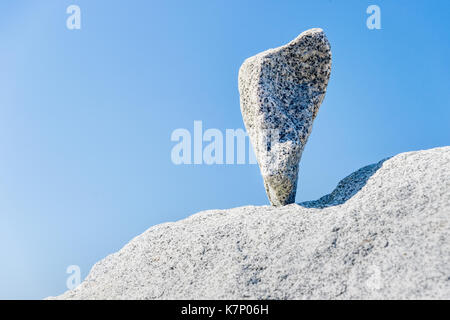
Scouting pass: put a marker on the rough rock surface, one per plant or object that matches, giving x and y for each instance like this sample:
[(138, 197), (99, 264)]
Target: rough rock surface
[(281, 91), (382, 234)]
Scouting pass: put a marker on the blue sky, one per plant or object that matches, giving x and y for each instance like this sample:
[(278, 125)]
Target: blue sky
[(86, 115)]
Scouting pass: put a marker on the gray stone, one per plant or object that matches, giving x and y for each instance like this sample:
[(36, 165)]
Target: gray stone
[(281, 91), (382, 234)]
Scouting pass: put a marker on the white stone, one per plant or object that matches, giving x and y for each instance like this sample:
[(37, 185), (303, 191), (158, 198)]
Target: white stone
[(382, 234), (281, 91)]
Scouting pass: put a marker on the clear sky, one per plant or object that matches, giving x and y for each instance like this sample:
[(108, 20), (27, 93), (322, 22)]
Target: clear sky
[(86, 115)]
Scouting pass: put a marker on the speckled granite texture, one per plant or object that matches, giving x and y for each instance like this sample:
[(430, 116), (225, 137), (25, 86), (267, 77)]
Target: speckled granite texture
[(281, 91), (382, 234)]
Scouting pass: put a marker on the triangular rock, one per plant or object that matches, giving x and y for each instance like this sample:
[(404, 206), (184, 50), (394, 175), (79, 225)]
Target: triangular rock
[(281, 91)]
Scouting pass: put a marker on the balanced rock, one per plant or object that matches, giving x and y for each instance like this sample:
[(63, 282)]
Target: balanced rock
[(281, 90)]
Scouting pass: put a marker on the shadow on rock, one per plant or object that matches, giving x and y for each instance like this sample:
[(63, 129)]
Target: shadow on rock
[(346, 188)]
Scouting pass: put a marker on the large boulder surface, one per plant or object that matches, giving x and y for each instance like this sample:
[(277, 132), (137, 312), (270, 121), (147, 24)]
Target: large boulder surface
[(382, 234)]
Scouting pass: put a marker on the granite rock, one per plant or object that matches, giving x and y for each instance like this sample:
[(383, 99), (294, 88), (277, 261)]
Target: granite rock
[(384, 233), (281, 91)]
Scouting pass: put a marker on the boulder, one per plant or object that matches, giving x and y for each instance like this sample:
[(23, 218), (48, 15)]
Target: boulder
[(281, 91), (383, 233)]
